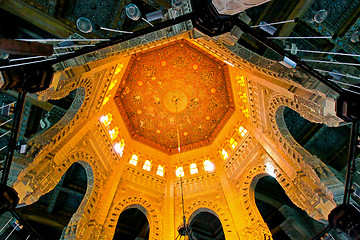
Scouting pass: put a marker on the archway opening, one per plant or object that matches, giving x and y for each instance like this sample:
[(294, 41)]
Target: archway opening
[(205, 225), (285, 220), (330, 144), (53, 211), (132, 224)]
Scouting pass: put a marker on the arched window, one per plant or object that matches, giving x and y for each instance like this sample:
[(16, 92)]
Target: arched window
[(54, 210), (132, 224), (160, 171), (233, 143), (180, 172), (329, 144), (205, 224), (285, 220), (119, 147), (113, 133), (208, 166), (224, 154), (242, 131), (147, 165), (134, 160), (106, 119), (193, 168)]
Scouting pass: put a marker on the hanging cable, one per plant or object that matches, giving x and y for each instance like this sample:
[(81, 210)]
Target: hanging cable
[(341, 74), (343, 83), (329, 62)]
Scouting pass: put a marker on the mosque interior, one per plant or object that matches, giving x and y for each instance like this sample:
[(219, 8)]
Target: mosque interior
[(117, 127)]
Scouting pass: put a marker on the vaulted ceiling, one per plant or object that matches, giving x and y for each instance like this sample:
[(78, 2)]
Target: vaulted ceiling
[(176, 84)]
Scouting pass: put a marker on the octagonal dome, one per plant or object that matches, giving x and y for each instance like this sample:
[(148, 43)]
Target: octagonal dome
[(176, 85)]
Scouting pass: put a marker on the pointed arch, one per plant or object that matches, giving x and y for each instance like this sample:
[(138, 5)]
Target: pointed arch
[(314, 168), (215, 208), (206, 212), (34, 184), (298, 190), (144, 204)]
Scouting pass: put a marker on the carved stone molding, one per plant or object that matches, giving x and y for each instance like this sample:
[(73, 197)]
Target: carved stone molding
[(128, 198), (34, 182), (317, 171)]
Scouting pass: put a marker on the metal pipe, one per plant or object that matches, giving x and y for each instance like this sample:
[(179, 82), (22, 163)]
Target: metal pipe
[(7, 105), (351, 162), (274, 23), (347, 84), (27, 58), (122, 38), (5, 134), (148, 22), (26, 225), (65, 39), (6, 224), (13, 136), (321, 52), (341, 74), (113, 41), (11, 232), (25, 63), (1, 150), (316, 37), (115, 30), (329, 62), (262, 39), (6, 122), (73, 46)]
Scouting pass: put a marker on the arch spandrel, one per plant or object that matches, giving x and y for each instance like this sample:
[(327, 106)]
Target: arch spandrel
[(215, 205), (132, 198), (31, 188), (300, 190), (319, 174)]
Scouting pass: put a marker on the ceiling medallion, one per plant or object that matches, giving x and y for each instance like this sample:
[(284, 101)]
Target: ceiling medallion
[(175, 75)]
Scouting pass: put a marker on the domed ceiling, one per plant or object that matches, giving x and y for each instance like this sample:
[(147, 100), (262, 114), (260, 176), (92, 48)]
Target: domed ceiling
[(175, 83)]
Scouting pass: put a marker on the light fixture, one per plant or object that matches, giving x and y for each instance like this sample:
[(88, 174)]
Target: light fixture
[(184, 229), (87, 26), (208, 166), (133, 12), (320, 16), (355, 37)]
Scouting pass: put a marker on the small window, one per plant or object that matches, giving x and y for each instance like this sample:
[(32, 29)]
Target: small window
[(233, 143), (193, 168), (180, 172), (133, 160), (147, 165), (106, 99), (119, 147), (113, 133), (208, 166), (160, 171), (106, 119), (242, 131), (224, 154)]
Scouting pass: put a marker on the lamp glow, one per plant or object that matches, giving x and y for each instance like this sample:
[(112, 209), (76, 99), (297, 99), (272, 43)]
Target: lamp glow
[(119, 147), (270, 169), (147, 165), (106, 119), (180, 172), (193, 168), (160, 171), (134, 160), (209, 166)]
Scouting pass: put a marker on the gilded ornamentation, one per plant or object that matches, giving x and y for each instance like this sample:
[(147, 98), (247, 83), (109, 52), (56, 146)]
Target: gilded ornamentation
[(175, 72)]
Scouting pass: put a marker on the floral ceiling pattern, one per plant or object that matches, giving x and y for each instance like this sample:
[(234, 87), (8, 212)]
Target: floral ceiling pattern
[(175, 86)]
